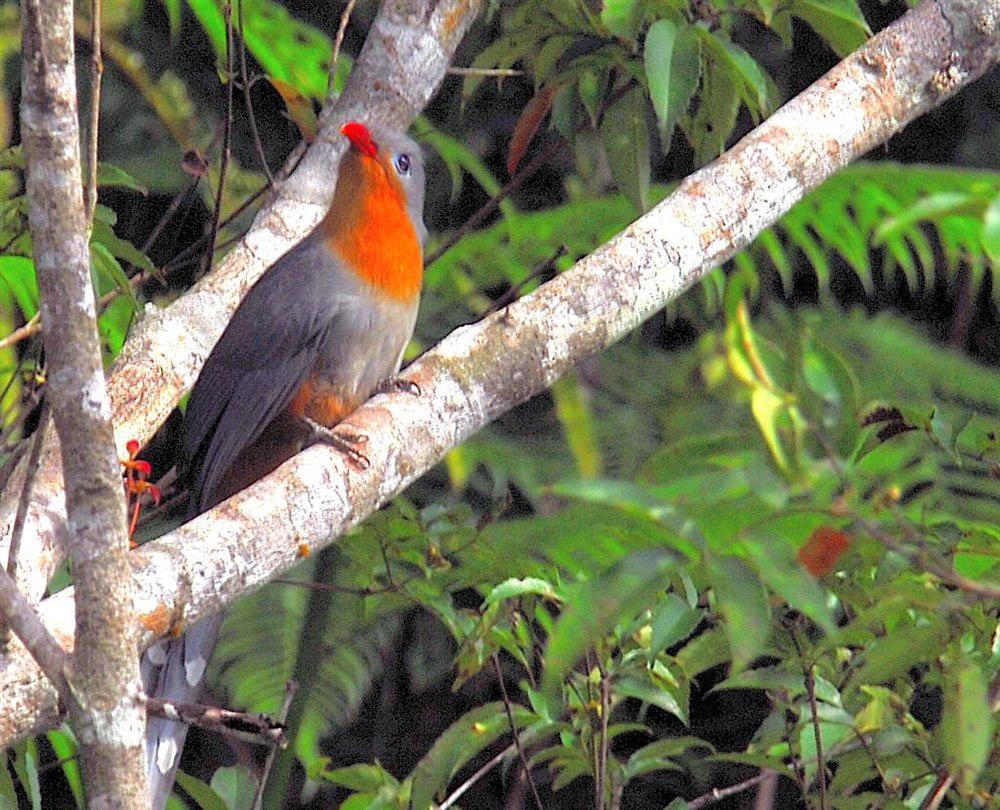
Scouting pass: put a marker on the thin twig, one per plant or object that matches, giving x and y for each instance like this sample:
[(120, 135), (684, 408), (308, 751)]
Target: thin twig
[(345, 18), (924, 558), (718, 794), (491, 205), (468, 783), (764, 800), (290, 689), (937, 792), (32, 327), (814, 711), (246, 96), (226, 138), (96, 74), (246, 726), (474, 71), (872, 755), (179, 198), (181, 258), (534, 274), (605, 739), (514, 731), (810, 680), (22, 511)]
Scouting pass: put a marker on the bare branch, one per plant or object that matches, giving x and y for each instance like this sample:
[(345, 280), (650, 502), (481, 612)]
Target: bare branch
[(718, 794), (13, 555), (246, 98), (345, 18), (290, 689), (246, 726), (517, 734), (482, 370), (471, 781), (227, 10), (32, 327), (96, 73), (104, 682)]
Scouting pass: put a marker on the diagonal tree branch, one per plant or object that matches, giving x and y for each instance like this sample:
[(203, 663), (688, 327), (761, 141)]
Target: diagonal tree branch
[(103, 679), (403, 61), (482, 370)]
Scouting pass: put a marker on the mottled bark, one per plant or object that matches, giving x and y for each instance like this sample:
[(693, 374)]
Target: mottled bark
[(482, 370), (103, 678)]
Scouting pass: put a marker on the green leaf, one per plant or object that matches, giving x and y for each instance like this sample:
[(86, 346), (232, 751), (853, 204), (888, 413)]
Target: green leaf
[(173, 15), (878, 713), (18, 275), (966, 725), (107, 271), (991, 230), (672, 622), (892, 655), (742, 601), (114, 323), (120, 248), (703, 652), (64, 746), (26, 768), (673, 700), (110, 175), (596, 606), (719, 102), (621, 17), (289, 50), (626, 144), (636, 500), (930, 207), (577, 422), (770, 410), (672, 55), (839, 22), (463, 739), (204, 796), (8, 795), (750, 80), (513, 587), (235, 787), (361, 778), (774, 562), (656, 755)]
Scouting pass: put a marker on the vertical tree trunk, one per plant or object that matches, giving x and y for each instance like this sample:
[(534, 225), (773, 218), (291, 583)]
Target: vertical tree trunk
[(104, 680)]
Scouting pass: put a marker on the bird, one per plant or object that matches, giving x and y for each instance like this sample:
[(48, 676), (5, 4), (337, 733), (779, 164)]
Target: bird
[(322, 329)]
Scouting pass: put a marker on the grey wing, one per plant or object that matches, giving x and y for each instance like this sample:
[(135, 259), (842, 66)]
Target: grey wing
[(258, 364)]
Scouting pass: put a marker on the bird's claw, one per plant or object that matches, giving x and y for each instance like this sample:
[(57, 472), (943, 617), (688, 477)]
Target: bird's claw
[(398, 385), (342, 440)]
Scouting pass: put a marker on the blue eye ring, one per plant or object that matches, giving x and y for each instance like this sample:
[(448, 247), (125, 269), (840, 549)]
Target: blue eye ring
[(402, 163)]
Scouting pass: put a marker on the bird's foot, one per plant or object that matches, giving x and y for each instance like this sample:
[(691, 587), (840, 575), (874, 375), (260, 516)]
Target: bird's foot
[(342, 440), (398, 385)]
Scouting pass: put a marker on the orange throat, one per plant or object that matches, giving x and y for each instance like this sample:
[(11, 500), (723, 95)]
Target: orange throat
[(369, 227)]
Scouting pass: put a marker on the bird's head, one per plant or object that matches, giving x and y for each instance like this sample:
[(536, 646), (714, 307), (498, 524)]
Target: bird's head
[(386, 160)]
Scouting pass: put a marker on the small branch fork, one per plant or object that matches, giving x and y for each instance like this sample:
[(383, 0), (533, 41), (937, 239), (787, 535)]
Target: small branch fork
[(246, 726)]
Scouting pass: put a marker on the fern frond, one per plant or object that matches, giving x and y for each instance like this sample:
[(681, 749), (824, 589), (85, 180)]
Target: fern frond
[(876, 218)]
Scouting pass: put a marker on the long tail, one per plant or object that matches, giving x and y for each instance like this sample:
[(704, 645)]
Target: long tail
[(174, 670)]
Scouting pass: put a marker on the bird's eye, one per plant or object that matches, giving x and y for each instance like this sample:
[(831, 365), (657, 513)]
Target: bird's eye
[(403, 163)]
